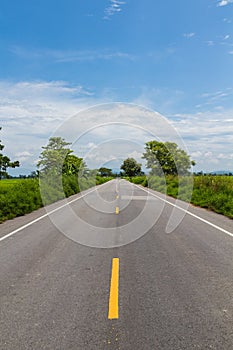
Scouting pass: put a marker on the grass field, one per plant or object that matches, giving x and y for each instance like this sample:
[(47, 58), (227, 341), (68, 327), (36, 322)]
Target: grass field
[(211, 192), (6, 183), (22, 196)]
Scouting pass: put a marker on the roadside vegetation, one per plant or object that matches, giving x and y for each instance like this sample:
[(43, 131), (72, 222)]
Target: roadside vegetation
[(21, 196), (62, 174), (170, 173), (214, 192)]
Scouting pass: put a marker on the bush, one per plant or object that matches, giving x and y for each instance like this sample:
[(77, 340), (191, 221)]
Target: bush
[(19, 199), (212, 192), (22, 196)]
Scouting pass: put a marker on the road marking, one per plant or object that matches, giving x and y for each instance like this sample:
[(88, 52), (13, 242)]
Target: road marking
[(113, 311), (188, 212), (47, 214), (138, 198), (117, 210)]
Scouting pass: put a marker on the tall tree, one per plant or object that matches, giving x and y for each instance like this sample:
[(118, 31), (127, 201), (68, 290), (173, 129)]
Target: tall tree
[(131, 167), (5, 162), (57, 159), (166, 158), (73, 165), (53, 156)]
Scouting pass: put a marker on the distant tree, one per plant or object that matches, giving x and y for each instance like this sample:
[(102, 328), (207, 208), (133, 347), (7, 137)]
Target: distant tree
[(33, 175), (105, 172), (166, 158), (6, 163), (131, 167)]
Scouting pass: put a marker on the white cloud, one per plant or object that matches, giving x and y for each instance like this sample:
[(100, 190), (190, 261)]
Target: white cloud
[(114, 7), (213, 98), (189, 35), (208, 136), (227, 20), (23, 154), (67, 56), (210, 43), (31, 112), (224, 2)]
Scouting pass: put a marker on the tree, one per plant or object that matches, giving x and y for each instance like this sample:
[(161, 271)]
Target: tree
[(166, 158), (73, 165), (105, 172), (56, 159), (131, 167), (6, 163), (53, 156)]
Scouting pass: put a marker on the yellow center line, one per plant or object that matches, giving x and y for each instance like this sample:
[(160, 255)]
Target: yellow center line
[(113, 312), (117, 210)]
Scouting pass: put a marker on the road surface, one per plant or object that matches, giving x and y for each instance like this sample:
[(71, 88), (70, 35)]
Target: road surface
[(161, 291)]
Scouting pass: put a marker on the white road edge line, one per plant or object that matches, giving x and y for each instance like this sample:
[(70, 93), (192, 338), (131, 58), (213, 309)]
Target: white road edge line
[(47, 214), (187, 212)]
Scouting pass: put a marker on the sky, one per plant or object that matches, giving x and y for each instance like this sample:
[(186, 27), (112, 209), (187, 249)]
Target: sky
[(60, 57)]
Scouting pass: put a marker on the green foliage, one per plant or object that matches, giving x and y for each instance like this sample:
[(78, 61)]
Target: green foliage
[(101, 180), (53, 157), (62, 174), (166, 158), (215, 193), (18, 197), (56, 159), (211, 192), (6, 163), (131, 167), (73, 165), (139, 180), (105, 172), (60, 171)]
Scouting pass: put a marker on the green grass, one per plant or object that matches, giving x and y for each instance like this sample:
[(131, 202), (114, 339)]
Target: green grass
[(18, 197), (9, 182), (22, 196), (215, 193), (212, 192)]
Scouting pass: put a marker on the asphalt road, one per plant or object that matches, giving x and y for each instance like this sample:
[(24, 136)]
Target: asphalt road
[(174, 290)]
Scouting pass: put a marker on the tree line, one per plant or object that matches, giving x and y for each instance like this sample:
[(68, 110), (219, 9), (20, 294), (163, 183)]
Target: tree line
[(58, 159)]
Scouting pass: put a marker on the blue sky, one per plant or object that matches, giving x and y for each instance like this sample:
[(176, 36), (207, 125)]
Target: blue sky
[(175, 57)]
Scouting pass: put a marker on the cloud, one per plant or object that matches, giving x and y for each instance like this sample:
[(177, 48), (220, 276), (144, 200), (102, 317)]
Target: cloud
[(189, 35), (213, 98), (208, 136), (114, 7), (224, 2), (66, 56), (210, 43), (227, 20), (23, 154), (31, 112)]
